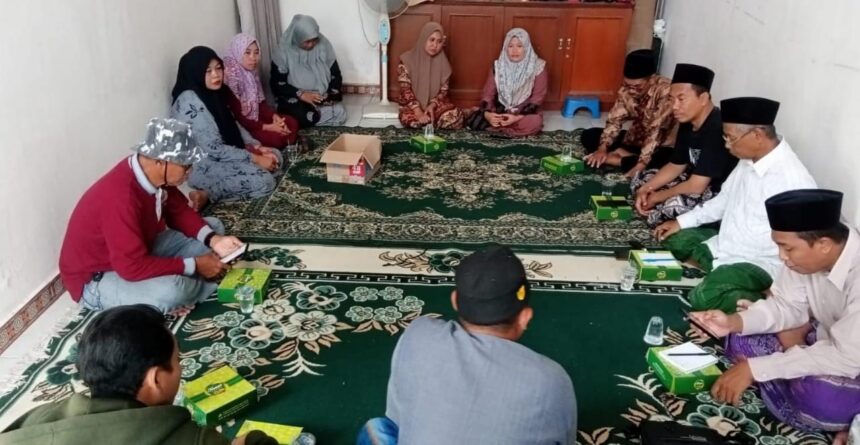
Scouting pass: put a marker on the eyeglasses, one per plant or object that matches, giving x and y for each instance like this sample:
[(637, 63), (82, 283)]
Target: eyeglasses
[(733, 141)]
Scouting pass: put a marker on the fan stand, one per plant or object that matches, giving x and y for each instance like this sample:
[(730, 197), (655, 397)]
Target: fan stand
[(383, 109)]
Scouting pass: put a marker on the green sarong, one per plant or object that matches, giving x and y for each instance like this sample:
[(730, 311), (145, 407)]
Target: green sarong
[(689, 244), (725, 285)]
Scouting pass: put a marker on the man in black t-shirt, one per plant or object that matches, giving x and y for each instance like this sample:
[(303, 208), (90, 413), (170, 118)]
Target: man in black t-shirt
[(699, 164)]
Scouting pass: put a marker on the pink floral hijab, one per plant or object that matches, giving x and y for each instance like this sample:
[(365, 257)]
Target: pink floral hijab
[(245, 84)]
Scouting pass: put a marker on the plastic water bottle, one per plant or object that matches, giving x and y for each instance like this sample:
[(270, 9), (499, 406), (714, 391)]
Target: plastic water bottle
[(654, 332), (628, 277), (245, 298)]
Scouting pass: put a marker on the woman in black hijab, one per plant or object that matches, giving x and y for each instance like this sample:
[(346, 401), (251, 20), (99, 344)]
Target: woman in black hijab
[(236, 166)]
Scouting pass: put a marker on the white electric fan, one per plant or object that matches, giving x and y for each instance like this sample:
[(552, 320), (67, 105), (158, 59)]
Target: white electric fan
[(382, 8)]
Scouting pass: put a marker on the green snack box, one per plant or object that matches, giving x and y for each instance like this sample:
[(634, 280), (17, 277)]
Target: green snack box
[(611, 207), (677, 382), (652, 266), (555, 165), (283, 434), (256, 278), (428, 145), (218, 396)]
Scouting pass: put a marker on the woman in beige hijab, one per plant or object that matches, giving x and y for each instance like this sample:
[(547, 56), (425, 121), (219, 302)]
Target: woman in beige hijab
[(424, 73)]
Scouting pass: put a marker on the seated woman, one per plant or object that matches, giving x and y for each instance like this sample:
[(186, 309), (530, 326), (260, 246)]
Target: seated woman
[(249, 103), (423, 73), (306, 79), (515, 90), (236, 165)]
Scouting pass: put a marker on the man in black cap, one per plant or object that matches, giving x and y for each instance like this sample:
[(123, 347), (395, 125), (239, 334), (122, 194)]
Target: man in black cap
[(643, 100), (801, 345), (469, 381), (741, 258), (699, 163)]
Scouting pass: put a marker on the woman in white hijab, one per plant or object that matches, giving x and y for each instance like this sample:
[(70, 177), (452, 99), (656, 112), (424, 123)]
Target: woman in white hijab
[(306, 78), (514, 91)]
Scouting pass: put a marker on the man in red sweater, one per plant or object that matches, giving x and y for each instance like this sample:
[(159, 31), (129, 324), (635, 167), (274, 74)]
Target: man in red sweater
[(133, 239)]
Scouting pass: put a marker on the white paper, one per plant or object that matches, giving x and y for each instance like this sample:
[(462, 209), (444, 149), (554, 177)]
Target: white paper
[(687, 363)]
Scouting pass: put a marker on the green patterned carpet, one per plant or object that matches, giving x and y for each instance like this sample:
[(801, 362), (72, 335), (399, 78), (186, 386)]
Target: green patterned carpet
[(319, 349), (479, 190)]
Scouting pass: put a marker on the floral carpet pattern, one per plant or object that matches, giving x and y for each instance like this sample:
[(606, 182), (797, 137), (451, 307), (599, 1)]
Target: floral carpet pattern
[(479, 190), (318, 349)]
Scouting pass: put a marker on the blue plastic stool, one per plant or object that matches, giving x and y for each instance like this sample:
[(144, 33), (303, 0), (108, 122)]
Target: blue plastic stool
[(574, 103)]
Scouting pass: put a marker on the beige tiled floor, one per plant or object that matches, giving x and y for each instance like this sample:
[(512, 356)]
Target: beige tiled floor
[(597, 269)]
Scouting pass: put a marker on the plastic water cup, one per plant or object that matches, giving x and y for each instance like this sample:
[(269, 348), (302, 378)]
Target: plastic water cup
[(654, 332), (567, 153), (428, 131), (292, 153), (245, 298), (628, 277), (607, 189)]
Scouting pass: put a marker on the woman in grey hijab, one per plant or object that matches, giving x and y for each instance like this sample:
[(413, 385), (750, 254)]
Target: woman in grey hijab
[(306, 79), (514, 91)]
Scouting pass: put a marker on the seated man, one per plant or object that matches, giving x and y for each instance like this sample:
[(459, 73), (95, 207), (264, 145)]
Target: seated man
[(809, 372), (130, 362), (741, 258), (469, 381), (700, 163), (132, 238), (643, 100)]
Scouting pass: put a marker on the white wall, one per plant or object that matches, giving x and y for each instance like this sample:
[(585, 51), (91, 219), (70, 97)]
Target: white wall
[(80, 79), (804, 54), (341, 22)]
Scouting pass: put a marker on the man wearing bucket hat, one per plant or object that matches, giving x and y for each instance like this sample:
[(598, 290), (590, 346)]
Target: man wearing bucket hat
[(469, 380), (132, 238), (802, 344)]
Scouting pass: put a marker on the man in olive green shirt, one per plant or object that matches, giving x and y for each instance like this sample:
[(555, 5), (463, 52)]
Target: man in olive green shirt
[(130, 362)]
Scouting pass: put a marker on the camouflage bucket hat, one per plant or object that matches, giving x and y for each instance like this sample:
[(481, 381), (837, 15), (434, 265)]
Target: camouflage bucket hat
[(170, 140)]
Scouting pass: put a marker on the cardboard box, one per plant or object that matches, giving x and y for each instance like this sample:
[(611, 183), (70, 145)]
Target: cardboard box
[(431, 145), (678, 382), (218, 396), (611, 207), (352, 158), (555, 165), (651, 269), (256, 278), (283, 434)]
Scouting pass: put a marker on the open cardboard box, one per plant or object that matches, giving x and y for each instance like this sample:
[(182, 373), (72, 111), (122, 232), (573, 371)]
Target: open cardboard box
[(352, 158)]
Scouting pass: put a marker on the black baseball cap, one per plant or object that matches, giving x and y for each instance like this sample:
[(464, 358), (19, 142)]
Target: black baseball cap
[(491, 286)]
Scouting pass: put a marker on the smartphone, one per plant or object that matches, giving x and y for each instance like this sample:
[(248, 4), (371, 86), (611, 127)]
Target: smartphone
[(235, 254), (698, 325)]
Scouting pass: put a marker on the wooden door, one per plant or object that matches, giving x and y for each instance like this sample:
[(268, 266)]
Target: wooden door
[(599, 39), (404, 32), (546, 28), (474, 39)]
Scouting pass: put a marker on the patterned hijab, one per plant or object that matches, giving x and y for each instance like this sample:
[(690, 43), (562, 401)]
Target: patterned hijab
[(192, 76), (307, 70), (428, 73), (244, 83), (515, 80)]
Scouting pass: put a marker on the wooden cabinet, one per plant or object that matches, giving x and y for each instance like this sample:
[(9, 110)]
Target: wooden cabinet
[(474, 38), (583, 44), (599, 43)]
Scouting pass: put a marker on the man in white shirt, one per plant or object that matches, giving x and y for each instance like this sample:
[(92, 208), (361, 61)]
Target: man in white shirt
[(741, 258), (802, 344)]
